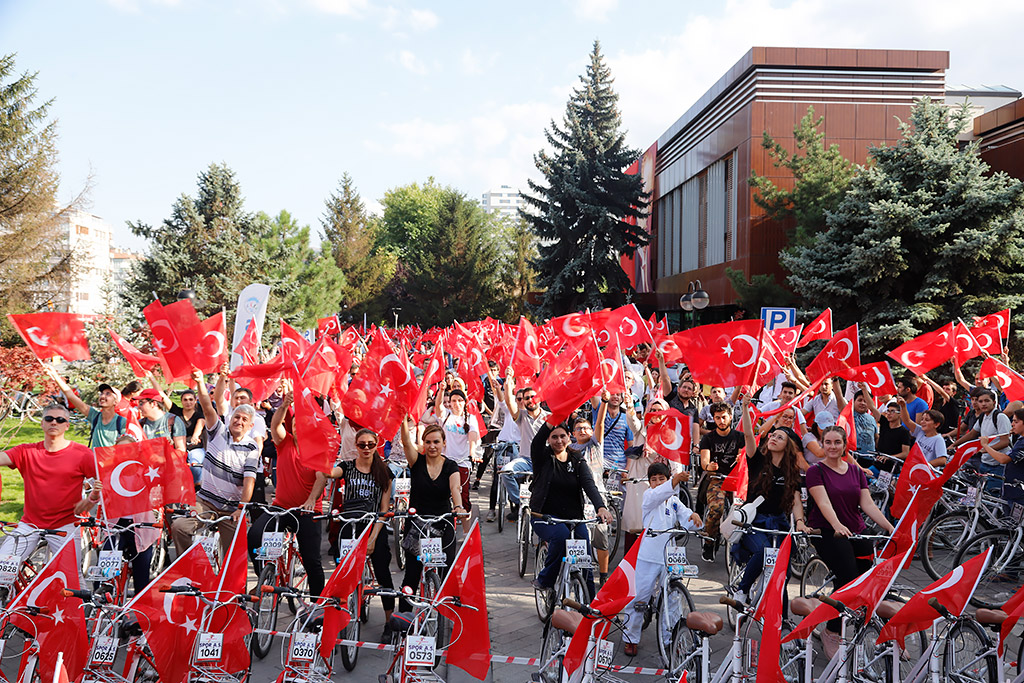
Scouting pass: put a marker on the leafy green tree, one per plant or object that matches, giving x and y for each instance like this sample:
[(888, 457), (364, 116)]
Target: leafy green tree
[(410, 212), (924, 235), (822, 177), (353, 236), (757, 292), (209, 244), (36, 264), (580, 213)]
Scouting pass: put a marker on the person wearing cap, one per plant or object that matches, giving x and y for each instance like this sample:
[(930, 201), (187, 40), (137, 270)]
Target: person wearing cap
[(104, 422), (462, 433), (157, 422), (774, 475)]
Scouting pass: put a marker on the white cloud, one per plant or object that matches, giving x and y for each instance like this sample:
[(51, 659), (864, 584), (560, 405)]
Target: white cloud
[(473, 64), (422, 20), (398, 20), (346, 8), (594, 10), (412, 63)]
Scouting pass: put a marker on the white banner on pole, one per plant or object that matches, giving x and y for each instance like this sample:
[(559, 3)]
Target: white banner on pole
[(252, 305)]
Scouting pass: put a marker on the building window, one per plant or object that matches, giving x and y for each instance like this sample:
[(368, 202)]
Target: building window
[(81, 229)]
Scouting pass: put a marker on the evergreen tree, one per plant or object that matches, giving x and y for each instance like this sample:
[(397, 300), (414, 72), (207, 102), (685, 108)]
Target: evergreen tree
[(520, 255), (581, 213), (924, 235), (757, 292), (209, 244), (822, 177), (353, 236), (36, 264), (410, 214)]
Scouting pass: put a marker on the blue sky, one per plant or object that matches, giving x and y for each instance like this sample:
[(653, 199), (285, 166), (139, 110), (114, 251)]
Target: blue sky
[(293, 93)]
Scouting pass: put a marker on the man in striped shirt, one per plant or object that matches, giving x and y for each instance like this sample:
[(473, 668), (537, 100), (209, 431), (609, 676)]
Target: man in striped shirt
[(229, 470)]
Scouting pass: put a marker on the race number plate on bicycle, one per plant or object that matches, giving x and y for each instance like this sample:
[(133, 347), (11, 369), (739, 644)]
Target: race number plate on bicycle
[(209, 544), (345, 546), (1018, 513), (303, 647), (402, 487), (432, 550), (973, 496), (104, 650), (605, 652), (576, 552), (675, 557), (420, 650), (9, 565), (209, 647), (883, 480), (110, 562), (770, 555), (273, 544)]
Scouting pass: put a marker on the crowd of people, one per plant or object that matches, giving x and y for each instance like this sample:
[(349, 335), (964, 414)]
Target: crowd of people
[(237, 448)]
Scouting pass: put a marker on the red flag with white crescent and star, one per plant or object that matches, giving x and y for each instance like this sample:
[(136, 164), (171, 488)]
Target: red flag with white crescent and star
[(174, 359), (209, 343), (819, 328), (670, 434), (53, 334), (142, 476), (840, 353), (927, 351), (725, 354)]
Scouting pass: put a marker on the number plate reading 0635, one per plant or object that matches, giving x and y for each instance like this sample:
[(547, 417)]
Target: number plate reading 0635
[(209, 647), (577, 552), (303, 647), (104, 650), (432, 549), (9, 565), (420, 650)]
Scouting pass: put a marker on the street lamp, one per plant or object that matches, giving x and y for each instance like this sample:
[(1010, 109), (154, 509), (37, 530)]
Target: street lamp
[(695, 299)]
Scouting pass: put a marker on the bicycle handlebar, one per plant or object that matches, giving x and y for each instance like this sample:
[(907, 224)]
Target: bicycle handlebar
[(937, 606)]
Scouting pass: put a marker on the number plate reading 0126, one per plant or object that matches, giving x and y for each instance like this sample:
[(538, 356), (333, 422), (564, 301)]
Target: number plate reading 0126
[(209, 647), (420, 650), (576, 552), (303, 647)]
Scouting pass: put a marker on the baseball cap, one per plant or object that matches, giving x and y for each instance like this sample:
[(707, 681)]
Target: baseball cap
[(105, 387), (149, 395)]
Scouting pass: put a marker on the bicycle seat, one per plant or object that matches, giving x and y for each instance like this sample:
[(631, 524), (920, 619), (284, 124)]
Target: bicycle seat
[(705, 622), (801, 607), (990, 617), (566, 620), (400, 621), (887, 609)]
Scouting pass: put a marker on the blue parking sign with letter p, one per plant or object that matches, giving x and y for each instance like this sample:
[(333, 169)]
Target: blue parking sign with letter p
[(776, 318)]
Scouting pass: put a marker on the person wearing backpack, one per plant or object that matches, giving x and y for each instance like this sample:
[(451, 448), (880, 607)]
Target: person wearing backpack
[(105, 425)]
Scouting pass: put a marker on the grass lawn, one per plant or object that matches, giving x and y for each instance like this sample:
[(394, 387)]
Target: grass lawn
[(12, 433)]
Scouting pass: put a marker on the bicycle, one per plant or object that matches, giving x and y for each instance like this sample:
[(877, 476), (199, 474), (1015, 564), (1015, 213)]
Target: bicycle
[(570, 582), (524, 530), (28, 656), (503, 452), (416, 647), (164, 546), (109, 566), (400, 507), (15, 573), (301, 661), (1005, 571), (598, 657), (104, 639), (433, 558)]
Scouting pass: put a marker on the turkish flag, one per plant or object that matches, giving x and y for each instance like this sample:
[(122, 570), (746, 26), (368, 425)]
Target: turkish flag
[(53, 334), (62, 627), (841, 352), (738, 479), (182, 314), (1014, 608), (320, 365), (232, 620), (1010, 382), (846, 421), (866, 591), (470, 648), (657, 326), (142, 476), (433, 373), (820, 328), (770, 361), (209, 350), (173, 357), (293, 344), (990, 330), (928, 351), (724, 355), (569, 327), (668, 346), (345, 580), (261, 379), (613, 375), (670, 434), (964, 452), (904, 536), (786, 339), (141, 362), (916, 472), (315, 437), (249, 345), (630, 327), (965, 345), (171, 620), (572, 378), (349, 338), (878, 376), (526, 351), (952, 591), (769, 611), (384, 391), (329, 325), (617, 592)]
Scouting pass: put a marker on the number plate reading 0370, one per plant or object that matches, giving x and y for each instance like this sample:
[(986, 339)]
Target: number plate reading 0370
[(209, 647), (303, 647), (420, 650)]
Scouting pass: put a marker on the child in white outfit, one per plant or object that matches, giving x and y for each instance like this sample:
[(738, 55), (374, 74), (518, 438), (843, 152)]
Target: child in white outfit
[(662, 510)]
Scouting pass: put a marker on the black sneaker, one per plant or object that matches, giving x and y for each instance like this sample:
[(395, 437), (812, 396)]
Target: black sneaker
[(475, 486), (708, 551)]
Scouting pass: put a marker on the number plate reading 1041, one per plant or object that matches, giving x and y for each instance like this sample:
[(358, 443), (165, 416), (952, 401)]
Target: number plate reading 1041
[(419, 650), (209, 647), (273, 544), (104, 650), (9, 565), (769, 557), (303, 647), (576, 551)]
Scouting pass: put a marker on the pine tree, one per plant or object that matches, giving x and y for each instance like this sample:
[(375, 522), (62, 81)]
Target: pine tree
[(581, 214), (520, 255), (822, 177), (36, 264), (353, 235), (924, 235)]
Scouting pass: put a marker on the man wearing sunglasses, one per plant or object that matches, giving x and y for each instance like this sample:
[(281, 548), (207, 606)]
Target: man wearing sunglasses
[(104, 422), (54, 471)]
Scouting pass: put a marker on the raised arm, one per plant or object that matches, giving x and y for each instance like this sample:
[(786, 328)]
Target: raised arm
[(602, 411), (209, 412), (220, 390), (168, 404), (508, 394), (277, 430), (840, 396), (748, 429), (905, 415), (69, 393), (666, 381), (937, 388), (412, 453)]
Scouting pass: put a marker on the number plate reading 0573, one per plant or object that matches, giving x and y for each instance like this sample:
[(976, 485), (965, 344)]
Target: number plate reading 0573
[(420, 650)]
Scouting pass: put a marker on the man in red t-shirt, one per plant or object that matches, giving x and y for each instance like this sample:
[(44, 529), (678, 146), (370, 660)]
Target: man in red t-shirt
[(54, 471)]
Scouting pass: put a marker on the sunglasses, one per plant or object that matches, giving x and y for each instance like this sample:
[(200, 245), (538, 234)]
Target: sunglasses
[(527, 398), (366, 446), (58, 420)]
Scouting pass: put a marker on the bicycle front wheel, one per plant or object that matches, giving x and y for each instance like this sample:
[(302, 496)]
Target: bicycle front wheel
[(350, 653), (541, 597), (870, 662), (790, 661), (964, 658), (670, 622), (525, 536), (817, 579), (1005, 571), (551, 654), (397, 528), (941, 540), (266, 611), (614, 530)]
